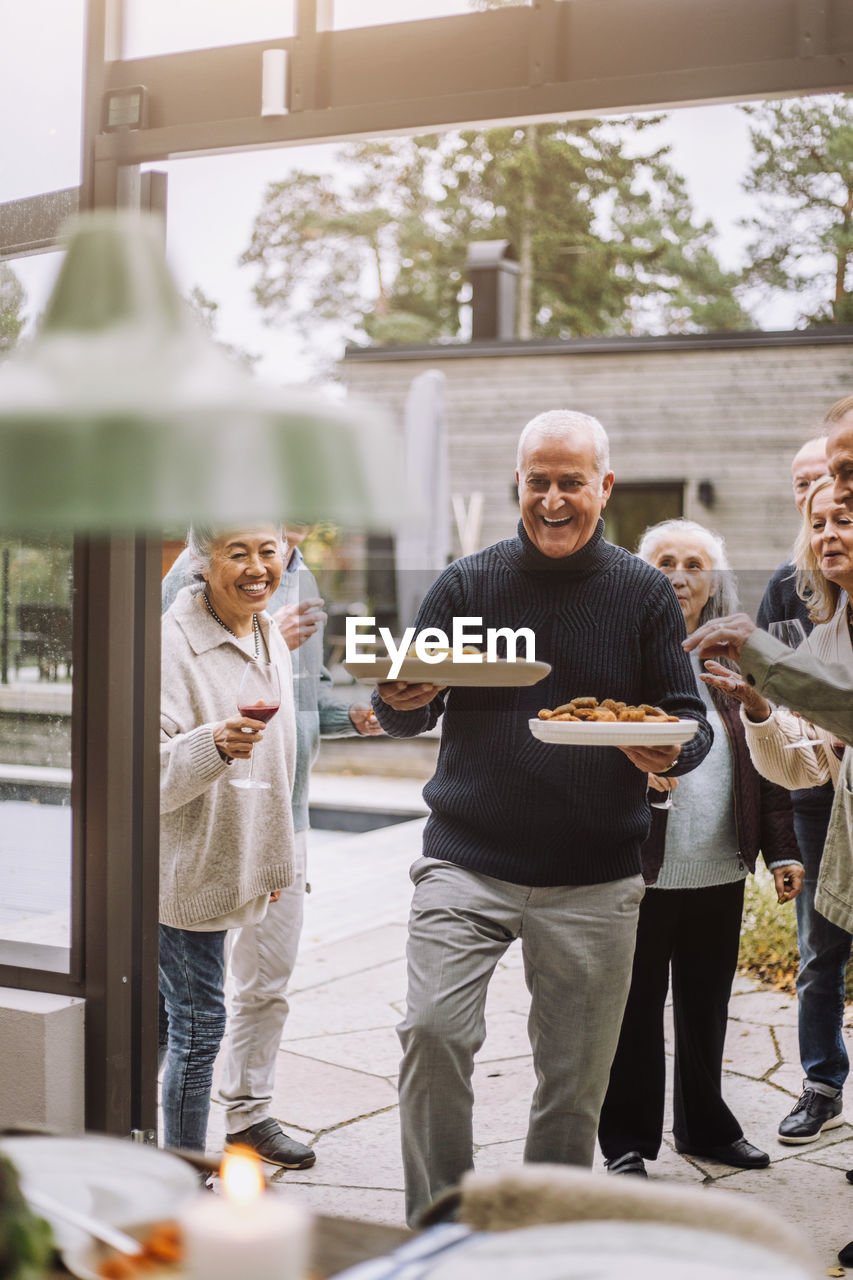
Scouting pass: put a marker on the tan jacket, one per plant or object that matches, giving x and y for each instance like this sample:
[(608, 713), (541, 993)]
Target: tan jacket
[(220, 847)]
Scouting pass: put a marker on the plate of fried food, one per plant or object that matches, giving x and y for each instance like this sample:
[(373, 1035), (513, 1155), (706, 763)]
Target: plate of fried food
[(161, 1257), (610, 723)]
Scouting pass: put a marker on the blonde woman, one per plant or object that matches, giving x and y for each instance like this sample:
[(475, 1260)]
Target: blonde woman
[(823, 557)]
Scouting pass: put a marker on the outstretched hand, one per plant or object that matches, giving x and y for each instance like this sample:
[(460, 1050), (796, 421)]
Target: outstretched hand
[(721, 637), (733, 684)]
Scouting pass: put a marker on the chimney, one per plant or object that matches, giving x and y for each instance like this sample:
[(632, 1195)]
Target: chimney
[(493, 271)]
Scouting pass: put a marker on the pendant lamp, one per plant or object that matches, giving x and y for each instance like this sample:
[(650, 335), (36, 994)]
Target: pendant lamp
[(123, 415)]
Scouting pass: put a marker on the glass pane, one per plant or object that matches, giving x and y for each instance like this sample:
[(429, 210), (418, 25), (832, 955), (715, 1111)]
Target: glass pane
[(41, 90), (172, 26), (372, 13), (35, 752)]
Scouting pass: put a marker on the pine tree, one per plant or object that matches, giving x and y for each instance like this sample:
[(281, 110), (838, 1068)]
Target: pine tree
[(802, 169), (12, 299), (603, 230)]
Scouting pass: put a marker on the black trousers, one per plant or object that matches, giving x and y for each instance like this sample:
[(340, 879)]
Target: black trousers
[(696, 933)]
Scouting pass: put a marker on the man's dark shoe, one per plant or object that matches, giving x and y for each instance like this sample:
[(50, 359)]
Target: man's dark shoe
[(272, 1144), (740, 1153), (630, 1162), (845, 1255), (812, 1113)]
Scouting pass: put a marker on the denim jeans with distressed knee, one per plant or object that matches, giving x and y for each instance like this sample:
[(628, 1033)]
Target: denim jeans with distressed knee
[(192, 979)]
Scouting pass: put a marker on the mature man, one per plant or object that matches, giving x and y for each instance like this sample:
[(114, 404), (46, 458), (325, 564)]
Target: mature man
[(262, 956), (824, 948), (527, 840)]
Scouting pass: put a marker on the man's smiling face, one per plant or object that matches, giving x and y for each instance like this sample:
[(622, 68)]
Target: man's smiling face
[(561, 492)]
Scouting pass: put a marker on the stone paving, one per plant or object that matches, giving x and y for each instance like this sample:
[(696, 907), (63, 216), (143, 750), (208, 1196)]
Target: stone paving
[(337, 1071)]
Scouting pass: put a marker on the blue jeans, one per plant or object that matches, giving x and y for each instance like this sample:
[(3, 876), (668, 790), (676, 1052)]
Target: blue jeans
[(192, 1024), (824, 953)]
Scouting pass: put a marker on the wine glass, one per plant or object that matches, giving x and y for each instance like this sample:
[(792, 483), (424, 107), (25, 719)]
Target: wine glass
[(665, 801), (258, 698), (792, 633)]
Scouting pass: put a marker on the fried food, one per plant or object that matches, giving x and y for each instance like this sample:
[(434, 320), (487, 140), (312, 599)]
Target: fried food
[(161, 1248), (609, 711)]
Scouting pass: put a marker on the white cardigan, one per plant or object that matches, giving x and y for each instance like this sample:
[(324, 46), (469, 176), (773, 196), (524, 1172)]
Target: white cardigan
[(220, 847), (802, 766)]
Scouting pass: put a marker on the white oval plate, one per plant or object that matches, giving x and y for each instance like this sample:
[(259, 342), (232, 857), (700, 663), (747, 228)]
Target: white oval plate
[(110, 1178), (473, 675), (604, 733)]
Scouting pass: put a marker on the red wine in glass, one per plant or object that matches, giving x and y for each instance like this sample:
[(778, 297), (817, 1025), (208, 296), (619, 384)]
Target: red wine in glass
[(259, 698), (258, 712)]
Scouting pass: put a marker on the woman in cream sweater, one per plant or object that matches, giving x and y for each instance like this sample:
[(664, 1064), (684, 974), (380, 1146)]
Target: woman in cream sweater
[(225, 852), (823, 556), (824, 560)]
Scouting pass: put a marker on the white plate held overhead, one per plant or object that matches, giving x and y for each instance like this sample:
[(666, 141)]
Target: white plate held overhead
[(609, 733)]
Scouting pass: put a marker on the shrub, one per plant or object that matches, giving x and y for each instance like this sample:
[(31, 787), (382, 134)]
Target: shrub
[(768, 934)]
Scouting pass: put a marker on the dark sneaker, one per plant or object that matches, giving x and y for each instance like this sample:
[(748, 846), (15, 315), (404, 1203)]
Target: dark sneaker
[(272, 1144), (812, 1113), (631, 1162)]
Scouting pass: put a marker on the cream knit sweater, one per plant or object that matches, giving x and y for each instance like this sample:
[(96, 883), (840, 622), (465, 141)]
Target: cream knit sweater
[(802, 766), (220, 847)]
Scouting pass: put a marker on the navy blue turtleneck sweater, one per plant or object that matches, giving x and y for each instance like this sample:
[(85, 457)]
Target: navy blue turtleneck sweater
[(502, 802)]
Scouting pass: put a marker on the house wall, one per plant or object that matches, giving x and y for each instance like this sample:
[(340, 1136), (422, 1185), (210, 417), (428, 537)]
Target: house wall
[(732, 415)]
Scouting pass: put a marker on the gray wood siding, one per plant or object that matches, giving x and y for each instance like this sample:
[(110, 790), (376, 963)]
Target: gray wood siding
[(732, 416)]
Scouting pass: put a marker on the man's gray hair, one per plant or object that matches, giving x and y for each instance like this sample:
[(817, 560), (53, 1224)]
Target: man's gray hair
[(202, 538), (556, 424)]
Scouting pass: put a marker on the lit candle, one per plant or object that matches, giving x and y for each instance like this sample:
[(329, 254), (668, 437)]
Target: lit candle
[(247, 1231)]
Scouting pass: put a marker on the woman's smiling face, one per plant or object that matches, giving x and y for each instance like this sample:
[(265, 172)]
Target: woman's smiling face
[(832, 538), (244, 572)]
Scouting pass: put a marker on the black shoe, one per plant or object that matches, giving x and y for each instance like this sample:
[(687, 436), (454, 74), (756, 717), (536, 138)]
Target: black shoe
[(272, 1144), (740, 1153), (630, 1162), (812, 1113), (845, 1255)]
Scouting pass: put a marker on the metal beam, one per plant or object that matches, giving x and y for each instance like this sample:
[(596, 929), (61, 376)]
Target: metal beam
[(554, 58)]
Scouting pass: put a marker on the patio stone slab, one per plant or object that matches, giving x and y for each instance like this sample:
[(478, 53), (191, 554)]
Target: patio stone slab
[(750, 1050), (318, 964), (375, 1051), (495, 1157), (817, 1199), (319, 1096), (365, 1153), (835, 1155), (366, 1203), (502, 1094), (354, 1003), (506, 1037), (773, 1008)]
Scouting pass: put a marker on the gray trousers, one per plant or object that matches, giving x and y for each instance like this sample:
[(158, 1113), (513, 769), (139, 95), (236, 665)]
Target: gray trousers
[(577, 946), (261, 961)]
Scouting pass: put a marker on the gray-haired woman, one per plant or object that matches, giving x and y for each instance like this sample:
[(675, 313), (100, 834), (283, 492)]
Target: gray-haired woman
[(694, 862), (225, 853)]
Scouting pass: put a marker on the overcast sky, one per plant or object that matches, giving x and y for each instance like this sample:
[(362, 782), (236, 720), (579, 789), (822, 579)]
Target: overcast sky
[(213, 201)]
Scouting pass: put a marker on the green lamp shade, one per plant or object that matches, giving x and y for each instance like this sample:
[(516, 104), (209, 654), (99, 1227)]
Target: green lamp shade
[(123, 415)]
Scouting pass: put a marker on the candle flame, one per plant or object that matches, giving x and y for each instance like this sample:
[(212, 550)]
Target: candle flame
[(241, 1175)]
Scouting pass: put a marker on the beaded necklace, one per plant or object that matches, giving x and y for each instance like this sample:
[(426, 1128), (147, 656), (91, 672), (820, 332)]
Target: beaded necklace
[(256, 630)]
